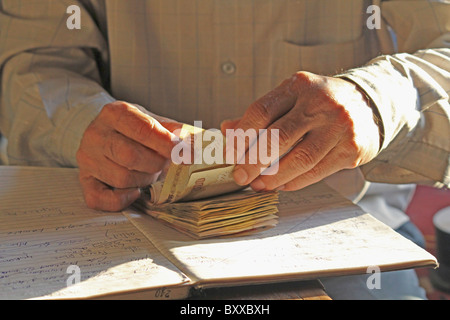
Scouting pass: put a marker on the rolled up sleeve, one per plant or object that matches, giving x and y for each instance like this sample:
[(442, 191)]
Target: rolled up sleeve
[(411, 95), (410, 91)]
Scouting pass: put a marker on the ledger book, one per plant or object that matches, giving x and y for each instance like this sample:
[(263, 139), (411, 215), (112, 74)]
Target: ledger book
[(53, 247)]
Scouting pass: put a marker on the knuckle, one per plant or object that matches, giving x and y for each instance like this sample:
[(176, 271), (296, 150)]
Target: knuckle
[(146, 128), (129, 158), (117, 105), (259, 111), (303, 159), (343, 116), (113, 111), (284, 137), (338, 116), (122, 179), (111, 148), (121, 153), (109, 108), (315, 173), (302, 78)]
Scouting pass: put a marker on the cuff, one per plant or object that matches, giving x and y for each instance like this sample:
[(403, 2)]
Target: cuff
[(392, 94), (68, 141)]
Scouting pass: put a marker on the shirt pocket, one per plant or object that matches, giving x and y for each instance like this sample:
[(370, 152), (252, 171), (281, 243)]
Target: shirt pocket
[(326, 59)]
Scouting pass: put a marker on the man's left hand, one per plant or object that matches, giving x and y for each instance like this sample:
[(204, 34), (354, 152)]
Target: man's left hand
[(324, 124)]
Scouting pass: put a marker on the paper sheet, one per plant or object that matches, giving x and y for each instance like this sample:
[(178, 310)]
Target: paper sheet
[(319, 234), (45, 228)]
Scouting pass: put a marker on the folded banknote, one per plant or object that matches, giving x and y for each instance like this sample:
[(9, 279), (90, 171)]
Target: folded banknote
[(202, 200)]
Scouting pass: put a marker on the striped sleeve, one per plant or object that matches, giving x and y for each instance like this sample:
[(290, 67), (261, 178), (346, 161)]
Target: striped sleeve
[(51, 88)]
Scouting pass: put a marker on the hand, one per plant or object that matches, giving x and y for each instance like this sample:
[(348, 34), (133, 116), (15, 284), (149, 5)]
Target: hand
[(324, 125), (121, 151)]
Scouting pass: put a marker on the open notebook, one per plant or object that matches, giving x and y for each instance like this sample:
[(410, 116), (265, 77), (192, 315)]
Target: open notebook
[(53, 246)]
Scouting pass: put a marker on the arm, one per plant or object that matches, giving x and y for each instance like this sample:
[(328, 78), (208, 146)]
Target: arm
[(408, 92), (51, 84), (55, 111)]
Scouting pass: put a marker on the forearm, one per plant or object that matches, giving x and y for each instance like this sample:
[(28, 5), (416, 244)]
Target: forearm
[(410, 91), (45, 112)]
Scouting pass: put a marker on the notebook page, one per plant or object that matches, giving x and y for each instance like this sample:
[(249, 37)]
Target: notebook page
[(53, 246), (319, 234)]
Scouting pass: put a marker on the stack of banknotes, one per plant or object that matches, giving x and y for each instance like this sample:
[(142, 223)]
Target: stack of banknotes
[(203, 201), (237, 213)]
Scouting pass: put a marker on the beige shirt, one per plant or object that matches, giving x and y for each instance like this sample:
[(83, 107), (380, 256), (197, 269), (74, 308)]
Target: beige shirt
[(209, 59)]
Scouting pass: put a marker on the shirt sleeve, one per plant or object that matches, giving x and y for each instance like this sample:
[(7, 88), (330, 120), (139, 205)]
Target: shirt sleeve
[(410, 93), (51, 80)]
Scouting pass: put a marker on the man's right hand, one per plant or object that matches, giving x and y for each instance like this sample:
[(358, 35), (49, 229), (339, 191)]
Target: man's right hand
[(122, 151)]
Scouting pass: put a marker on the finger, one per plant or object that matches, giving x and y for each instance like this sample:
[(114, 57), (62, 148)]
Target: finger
[(99, 196), (315, 146), (132, 155), (115, 175), (158, 118), (136, 125), (272, 143), (268, 108), (332, 163), (265, 111)]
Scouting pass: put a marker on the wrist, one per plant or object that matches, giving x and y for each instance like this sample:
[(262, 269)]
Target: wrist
[(375, 112)]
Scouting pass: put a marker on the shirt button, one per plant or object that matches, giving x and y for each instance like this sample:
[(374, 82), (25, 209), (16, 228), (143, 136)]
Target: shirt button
[(228, 67)]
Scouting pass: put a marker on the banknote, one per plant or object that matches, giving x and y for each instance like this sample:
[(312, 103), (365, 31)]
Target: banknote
[(224, 215), (202, 200), (195, 180)]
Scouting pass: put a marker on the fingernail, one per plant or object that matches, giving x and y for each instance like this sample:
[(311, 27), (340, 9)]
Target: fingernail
[(258, 185), (240, 176), (280, 188)]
